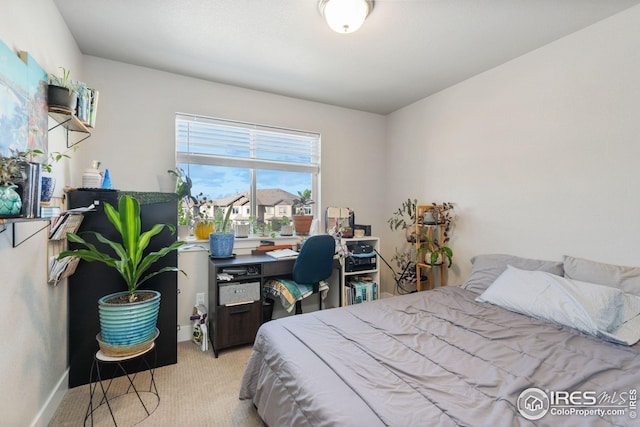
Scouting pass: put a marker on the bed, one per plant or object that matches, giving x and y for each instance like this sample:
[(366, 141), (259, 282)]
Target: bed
[(446, 358)]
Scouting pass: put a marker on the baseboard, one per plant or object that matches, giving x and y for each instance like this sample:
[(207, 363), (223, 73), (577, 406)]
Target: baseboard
[(386, 295), (49, 408)]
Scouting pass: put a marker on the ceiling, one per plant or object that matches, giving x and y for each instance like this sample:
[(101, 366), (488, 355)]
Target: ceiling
[(406, 49)]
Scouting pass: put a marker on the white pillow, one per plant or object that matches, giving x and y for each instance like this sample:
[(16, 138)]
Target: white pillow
[(594, 309)]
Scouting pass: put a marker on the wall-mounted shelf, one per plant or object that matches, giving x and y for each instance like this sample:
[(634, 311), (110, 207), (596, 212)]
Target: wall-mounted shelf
[(13, 221), (70, 122)]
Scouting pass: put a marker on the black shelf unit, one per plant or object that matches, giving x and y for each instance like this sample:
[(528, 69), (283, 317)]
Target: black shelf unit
[(94, 280)]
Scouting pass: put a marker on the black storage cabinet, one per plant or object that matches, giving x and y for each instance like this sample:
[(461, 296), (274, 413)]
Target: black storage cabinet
[(92, 280)]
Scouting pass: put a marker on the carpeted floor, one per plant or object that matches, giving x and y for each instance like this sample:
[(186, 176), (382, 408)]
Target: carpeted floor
[(198, 391)]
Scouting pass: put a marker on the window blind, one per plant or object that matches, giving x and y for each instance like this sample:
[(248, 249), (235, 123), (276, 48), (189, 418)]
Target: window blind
[(218, 142)]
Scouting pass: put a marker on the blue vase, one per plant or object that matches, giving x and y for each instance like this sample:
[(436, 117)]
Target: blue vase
[(221, 244), (48, 185)]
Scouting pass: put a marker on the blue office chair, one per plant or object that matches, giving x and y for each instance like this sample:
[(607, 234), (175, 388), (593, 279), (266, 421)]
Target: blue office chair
[(314, 264)]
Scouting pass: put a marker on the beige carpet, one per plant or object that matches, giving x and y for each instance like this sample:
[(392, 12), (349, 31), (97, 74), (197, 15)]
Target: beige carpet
[(199, 390)]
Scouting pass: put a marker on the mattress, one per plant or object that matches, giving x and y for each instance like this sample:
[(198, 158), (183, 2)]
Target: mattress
[(434, 358)]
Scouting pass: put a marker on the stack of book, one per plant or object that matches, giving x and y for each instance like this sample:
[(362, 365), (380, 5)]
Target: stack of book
[(356, 292), (48, 211)]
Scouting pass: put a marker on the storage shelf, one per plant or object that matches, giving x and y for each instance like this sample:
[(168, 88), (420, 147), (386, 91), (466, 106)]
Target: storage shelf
[(70, 122), (13, 221)]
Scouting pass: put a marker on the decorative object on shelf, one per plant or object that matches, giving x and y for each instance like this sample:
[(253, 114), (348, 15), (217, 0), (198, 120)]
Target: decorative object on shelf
[(131, 264), (48, 185), (345, 16), (339, 222), (302, 208), (60, 93), (202, 228), (221, 241), (106, 181), (10, 168), (242, 230), (19, 185), (286, 229)]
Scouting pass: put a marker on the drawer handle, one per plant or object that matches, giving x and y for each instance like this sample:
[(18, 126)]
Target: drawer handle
[(238, 310)]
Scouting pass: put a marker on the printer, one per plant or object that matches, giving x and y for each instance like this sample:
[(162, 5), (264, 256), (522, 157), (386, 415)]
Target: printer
[(360, 257)]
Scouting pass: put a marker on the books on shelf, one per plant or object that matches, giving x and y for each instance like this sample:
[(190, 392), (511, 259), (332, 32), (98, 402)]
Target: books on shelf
[(282, 254), (68, 222), (48, 211), (29, 184), (356, 292), (62, 268)]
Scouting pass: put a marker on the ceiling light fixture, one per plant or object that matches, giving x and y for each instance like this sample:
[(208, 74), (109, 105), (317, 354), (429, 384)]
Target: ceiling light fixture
[(345, 16)]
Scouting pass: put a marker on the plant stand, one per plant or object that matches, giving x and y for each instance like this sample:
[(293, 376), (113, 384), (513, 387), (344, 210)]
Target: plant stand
[(147, 396)]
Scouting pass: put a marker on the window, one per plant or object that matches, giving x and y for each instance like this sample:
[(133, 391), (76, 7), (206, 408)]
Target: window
[(251, 167)]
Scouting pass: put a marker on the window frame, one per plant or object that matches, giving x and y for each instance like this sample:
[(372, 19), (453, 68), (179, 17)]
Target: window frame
[(253, 163)]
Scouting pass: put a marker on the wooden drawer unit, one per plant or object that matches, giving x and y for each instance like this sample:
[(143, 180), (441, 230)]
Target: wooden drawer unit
[(237, 324)]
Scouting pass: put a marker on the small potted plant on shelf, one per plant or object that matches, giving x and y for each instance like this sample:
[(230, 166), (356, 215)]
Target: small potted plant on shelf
[(286, 229), (434, 250), (302, 217), (204, 223), (60, 93), (122, 330), (221, 241), (11, 169)]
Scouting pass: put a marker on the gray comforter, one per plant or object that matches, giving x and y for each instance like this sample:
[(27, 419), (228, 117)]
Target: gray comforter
[(436, 358)]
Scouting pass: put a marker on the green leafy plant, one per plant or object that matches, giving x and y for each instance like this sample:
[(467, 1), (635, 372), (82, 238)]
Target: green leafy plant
[(62, 80), (285, 220), (130, 260), (303, 201), (11, 166), (436, 250), (404, 216), (222, 224)]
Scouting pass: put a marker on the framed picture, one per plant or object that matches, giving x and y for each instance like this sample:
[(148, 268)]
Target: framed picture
[(23, 102)]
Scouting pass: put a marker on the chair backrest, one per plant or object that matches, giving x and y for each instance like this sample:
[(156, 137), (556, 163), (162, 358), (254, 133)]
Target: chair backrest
[(315, 260)]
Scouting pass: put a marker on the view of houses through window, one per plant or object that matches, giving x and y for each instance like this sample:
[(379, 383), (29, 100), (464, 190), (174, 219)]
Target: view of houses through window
[(256, 171)]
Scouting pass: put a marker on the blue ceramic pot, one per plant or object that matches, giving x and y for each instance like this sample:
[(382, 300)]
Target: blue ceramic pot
[(129, 324), (221, 244)]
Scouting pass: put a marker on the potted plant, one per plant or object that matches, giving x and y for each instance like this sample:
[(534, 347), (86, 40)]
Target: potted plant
[(183, 186), (405, 218), (127, 319), (11, 169), (286, 229), (204, 224), (221, 241), (437, 251), (60, 94), (302, 218)]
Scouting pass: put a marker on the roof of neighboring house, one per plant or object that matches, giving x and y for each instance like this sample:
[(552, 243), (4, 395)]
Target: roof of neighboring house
[(266, 197)]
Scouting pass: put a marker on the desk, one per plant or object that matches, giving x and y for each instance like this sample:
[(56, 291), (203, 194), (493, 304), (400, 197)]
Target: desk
[(147, 396), (233, 325)]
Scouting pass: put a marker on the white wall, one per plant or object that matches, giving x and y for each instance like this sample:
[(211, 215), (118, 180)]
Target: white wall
[(540, 155), (33, 315), (134, 135)]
